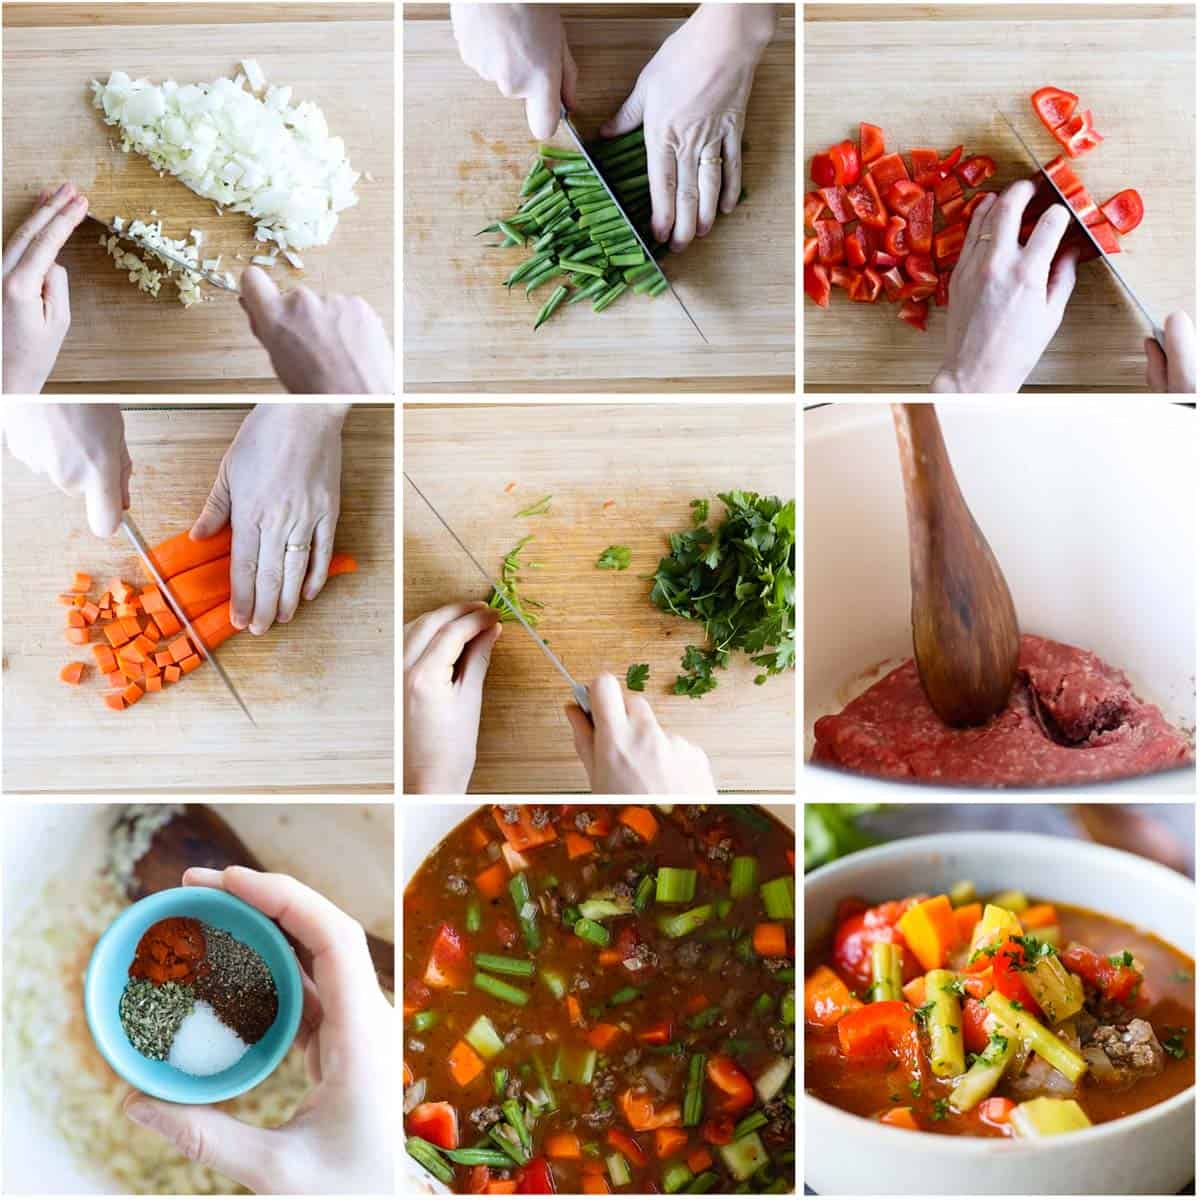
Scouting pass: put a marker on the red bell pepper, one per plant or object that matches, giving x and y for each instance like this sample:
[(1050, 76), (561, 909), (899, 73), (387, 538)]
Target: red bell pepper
[(845, 163), (917, 291), (952, 209), (810, 250), (844, 277), (1084, 206), (947, 189), (942, 293), (856, 246), (1106, 235), (1124, 211), (868, 287), (893, 283), (822, 170), (895, 241), (1078, 135), (902, 195), (924, 162), (947, 165), (838, 203), (883, 261), (872, 1034), (1054, 106), (816, 284), (887, 170), (971, 205), (814, 206), (831, 247), (920, 268), (870, 143), (975, 170), (1064, 178), (864, 199), (949, 241), (859, 931), (920, 224), (914, 312)]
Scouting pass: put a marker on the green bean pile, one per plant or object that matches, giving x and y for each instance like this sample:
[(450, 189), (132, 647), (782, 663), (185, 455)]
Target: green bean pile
[(573, 228)]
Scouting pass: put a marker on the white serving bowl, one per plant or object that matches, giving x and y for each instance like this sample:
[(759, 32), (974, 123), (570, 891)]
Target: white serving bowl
[(1090, 510), (1149, 1153)]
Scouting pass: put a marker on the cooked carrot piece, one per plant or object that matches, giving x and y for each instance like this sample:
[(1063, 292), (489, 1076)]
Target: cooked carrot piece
[(90, 612), (116, 678), (116, 634), (132, 694), (190, 664), (172, 674), (72, 672), (75, 619), (83, 582), (163, 659), (180, 649), (151, 631), (77, 637), (154, 683), (115, 701)]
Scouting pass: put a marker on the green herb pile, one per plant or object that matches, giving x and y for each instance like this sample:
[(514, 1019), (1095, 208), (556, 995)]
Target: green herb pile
[(739, 582), (615, 558), (510, 580)]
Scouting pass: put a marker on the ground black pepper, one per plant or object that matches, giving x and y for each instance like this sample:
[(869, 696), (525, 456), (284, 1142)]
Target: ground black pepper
[(239, 985)]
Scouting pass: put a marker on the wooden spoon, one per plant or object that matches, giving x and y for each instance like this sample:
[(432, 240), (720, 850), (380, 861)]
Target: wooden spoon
[(198, 837), (965, 635)]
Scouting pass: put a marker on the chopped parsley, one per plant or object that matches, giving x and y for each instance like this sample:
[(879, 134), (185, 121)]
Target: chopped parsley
[(636, 676), (615, 558), (540, 509)]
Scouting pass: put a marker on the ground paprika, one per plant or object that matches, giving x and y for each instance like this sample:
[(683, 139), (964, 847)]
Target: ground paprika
[(171, 950)]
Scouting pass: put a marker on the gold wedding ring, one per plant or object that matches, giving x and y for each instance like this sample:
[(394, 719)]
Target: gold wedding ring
[(711, 160)]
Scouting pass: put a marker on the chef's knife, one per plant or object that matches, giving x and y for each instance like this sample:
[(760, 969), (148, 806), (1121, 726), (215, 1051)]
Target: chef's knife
[(212, 277), (577, 690), (566, 120), (139, 544), (1155, 328)]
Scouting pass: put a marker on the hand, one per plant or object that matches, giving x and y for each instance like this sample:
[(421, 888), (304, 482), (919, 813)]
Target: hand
[(280, 487), (81, 449), (341, 1138), (1174, 371), (319, 345), (1006, 301), (522, 49), (446, 657), (626, 750), (691, 98), (37, 299)]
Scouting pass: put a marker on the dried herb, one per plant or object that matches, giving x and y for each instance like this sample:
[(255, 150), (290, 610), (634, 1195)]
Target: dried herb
[(510, 578), (615, 558), (151, 1014), (636, 676)]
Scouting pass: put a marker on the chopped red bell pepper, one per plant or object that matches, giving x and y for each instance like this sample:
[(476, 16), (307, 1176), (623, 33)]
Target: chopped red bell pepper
[(941, 296), (1124, 211), (947, 165), (893, 283), (822, 170), (920, 268), (831, 247), (975, 170), (871, 286), (884, 261), (838, 203), (947, 189), (1054, 106), (1084, 206), (844, 277), (1078, 135), (810, 250), (845, 163), (902, 195), (917, 291), (924, 161), (915, 313), (1106, 235), (870, 142), (887, 170), (952, 210), (949, 241), (856, 246), (816, 284), (864, 199), (1064, 178), (920, 224), (895, 241), (971, 205), (814, 206)]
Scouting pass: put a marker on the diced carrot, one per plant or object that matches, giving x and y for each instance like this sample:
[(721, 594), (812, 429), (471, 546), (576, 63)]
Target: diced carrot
[(132, 652), (116, 634), (145, 645), (120, 590), (131, 625), (78, 637), (578, 846), (168, 623), (90, 612), (493, 881), (72, 673), (106, 660), (770, 940), (151, 631), (593, 1185), (126, 610), (901, 1117), (602, 1035), (172, 674), (163, 659), (115, 679), (105, 600), (966, 917), (152, 600), (563, 1145), (640, 820), (1038, 916), (132, 694), (699, 1160), (465, 1065), (131, 671), (106, 614), (115, 701), (83, 582), (914, 991), (180, 649), (154, 683), (79, 601), (151, 669), (669, 1140), (190, 664), (75, 620)]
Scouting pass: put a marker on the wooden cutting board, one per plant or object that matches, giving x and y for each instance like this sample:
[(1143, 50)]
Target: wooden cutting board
[(933, 76), (52, 133), (466, 150), (649, 461), (320, 687)]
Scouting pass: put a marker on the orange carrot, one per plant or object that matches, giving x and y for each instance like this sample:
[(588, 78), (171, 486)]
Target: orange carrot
[(115, 678), (132, 694), (152, 600), (180, 649), (116, 634), (105, 601), (131, 625), (180, 553), (120, 590), (172, 674), (151, 632), (72, 673), (154, 683), (90, 612), (78, 637), (132, 652), (163, 659), (75, 620), (150, 667), (106, 660), (126, 610), (83, 582), (168, 624), (190, 664), (146, 645), (115, 701)]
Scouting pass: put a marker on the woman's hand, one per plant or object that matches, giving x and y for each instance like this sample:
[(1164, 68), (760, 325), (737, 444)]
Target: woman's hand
[(1006, 301), (81, 449), (1174, 371), (691, 98), (319, 345), (625, 751), (341, 1138), (279, 486), (522, 49), (37, 299), (446, 657)]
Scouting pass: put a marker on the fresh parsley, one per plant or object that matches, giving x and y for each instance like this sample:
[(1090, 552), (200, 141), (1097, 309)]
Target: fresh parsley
[(739, 582), (636, 676), (510, 578), (540, 509), (615, 558)]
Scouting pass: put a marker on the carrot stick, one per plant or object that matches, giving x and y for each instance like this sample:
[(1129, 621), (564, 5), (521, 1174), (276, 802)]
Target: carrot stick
[(72, 673), (180, 553)]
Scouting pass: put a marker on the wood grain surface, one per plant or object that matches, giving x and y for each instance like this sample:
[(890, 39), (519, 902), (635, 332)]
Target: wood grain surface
[(320, 687), (650, 460), (52, 133), (935, 79), (466, 151)]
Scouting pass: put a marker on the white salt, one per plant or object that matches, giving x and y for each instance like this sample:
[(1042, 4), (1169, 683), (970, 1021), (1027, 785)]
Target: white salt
[(204, 1044)]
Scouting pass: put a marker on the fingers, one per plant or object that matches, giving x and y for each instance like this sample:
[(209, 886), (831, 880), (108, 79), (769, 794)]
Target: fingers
[(584, 733), (268, 581), (709, 179), (243, 572), (661, 166), (212, 1138), (419, 632), (978, 223), (1004, 220), (261, 300), (43, 213), (295, 564), (1047, 235), (629, 116), (1181, 353), (542, 109), (56, 296), (687, 199), (215, 514), (570, 75), (321, 553), (447, 645), (46, 243), (1062, 280), (1156, 366), (731, 167), (608, 706), (477, 657)]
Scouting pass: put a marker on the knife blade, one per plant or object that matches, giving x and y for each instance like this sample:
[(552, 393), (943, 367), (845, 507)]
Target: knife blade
[(577, 690), (1155, 328), (566, 119), (211, 277), (134, 534)]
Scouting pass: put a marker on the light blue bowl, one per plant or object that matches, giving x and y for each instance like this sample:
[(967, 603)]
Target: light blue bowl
[(108, 973)]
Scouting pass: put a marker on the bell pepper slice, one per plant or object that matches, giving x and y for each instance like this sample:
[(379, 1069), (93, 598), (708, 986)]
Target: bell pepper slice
[(1064, 178), (856, 247), (883, 261), (887, 170), (870, 143), (941, 295), (947, 189), (864, 199), (893, 283), (923, 161), (845, 163), (831, 246), (917, 291), (871, 286), (1078, 135), (975, 170), (971, 205), (920, 224), (810, 250), (1124, 211), (949, 241), (902, 195), (814, 206), (844, 277), (895, 240), (947, 165), (822, 170), (816, 284), (1084, 206), (1106, 235), (838, 203), (1054, 106), (920, 268), (914, 312), (952, 210)]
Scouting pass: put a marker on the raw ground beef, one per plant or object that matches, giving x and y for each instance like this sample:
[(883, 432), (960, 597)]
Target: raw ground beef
[(1070, 719)]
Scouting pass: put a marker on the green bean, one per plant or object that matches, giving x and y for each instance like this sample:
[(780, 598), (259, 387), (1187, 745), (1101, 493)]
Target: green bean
[(548, 151), (527, 267), (606, 149), (535, 178), (511, 232), (599, 216), (488, 229), (633, 181), (635, 274), (595, 288), (547, 310), (537, 197), (631, 259), (579, 267), (608, 297), (643, 286), (658, 288), (571, 168), (587, 253), (616, 224), (546, 273)]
